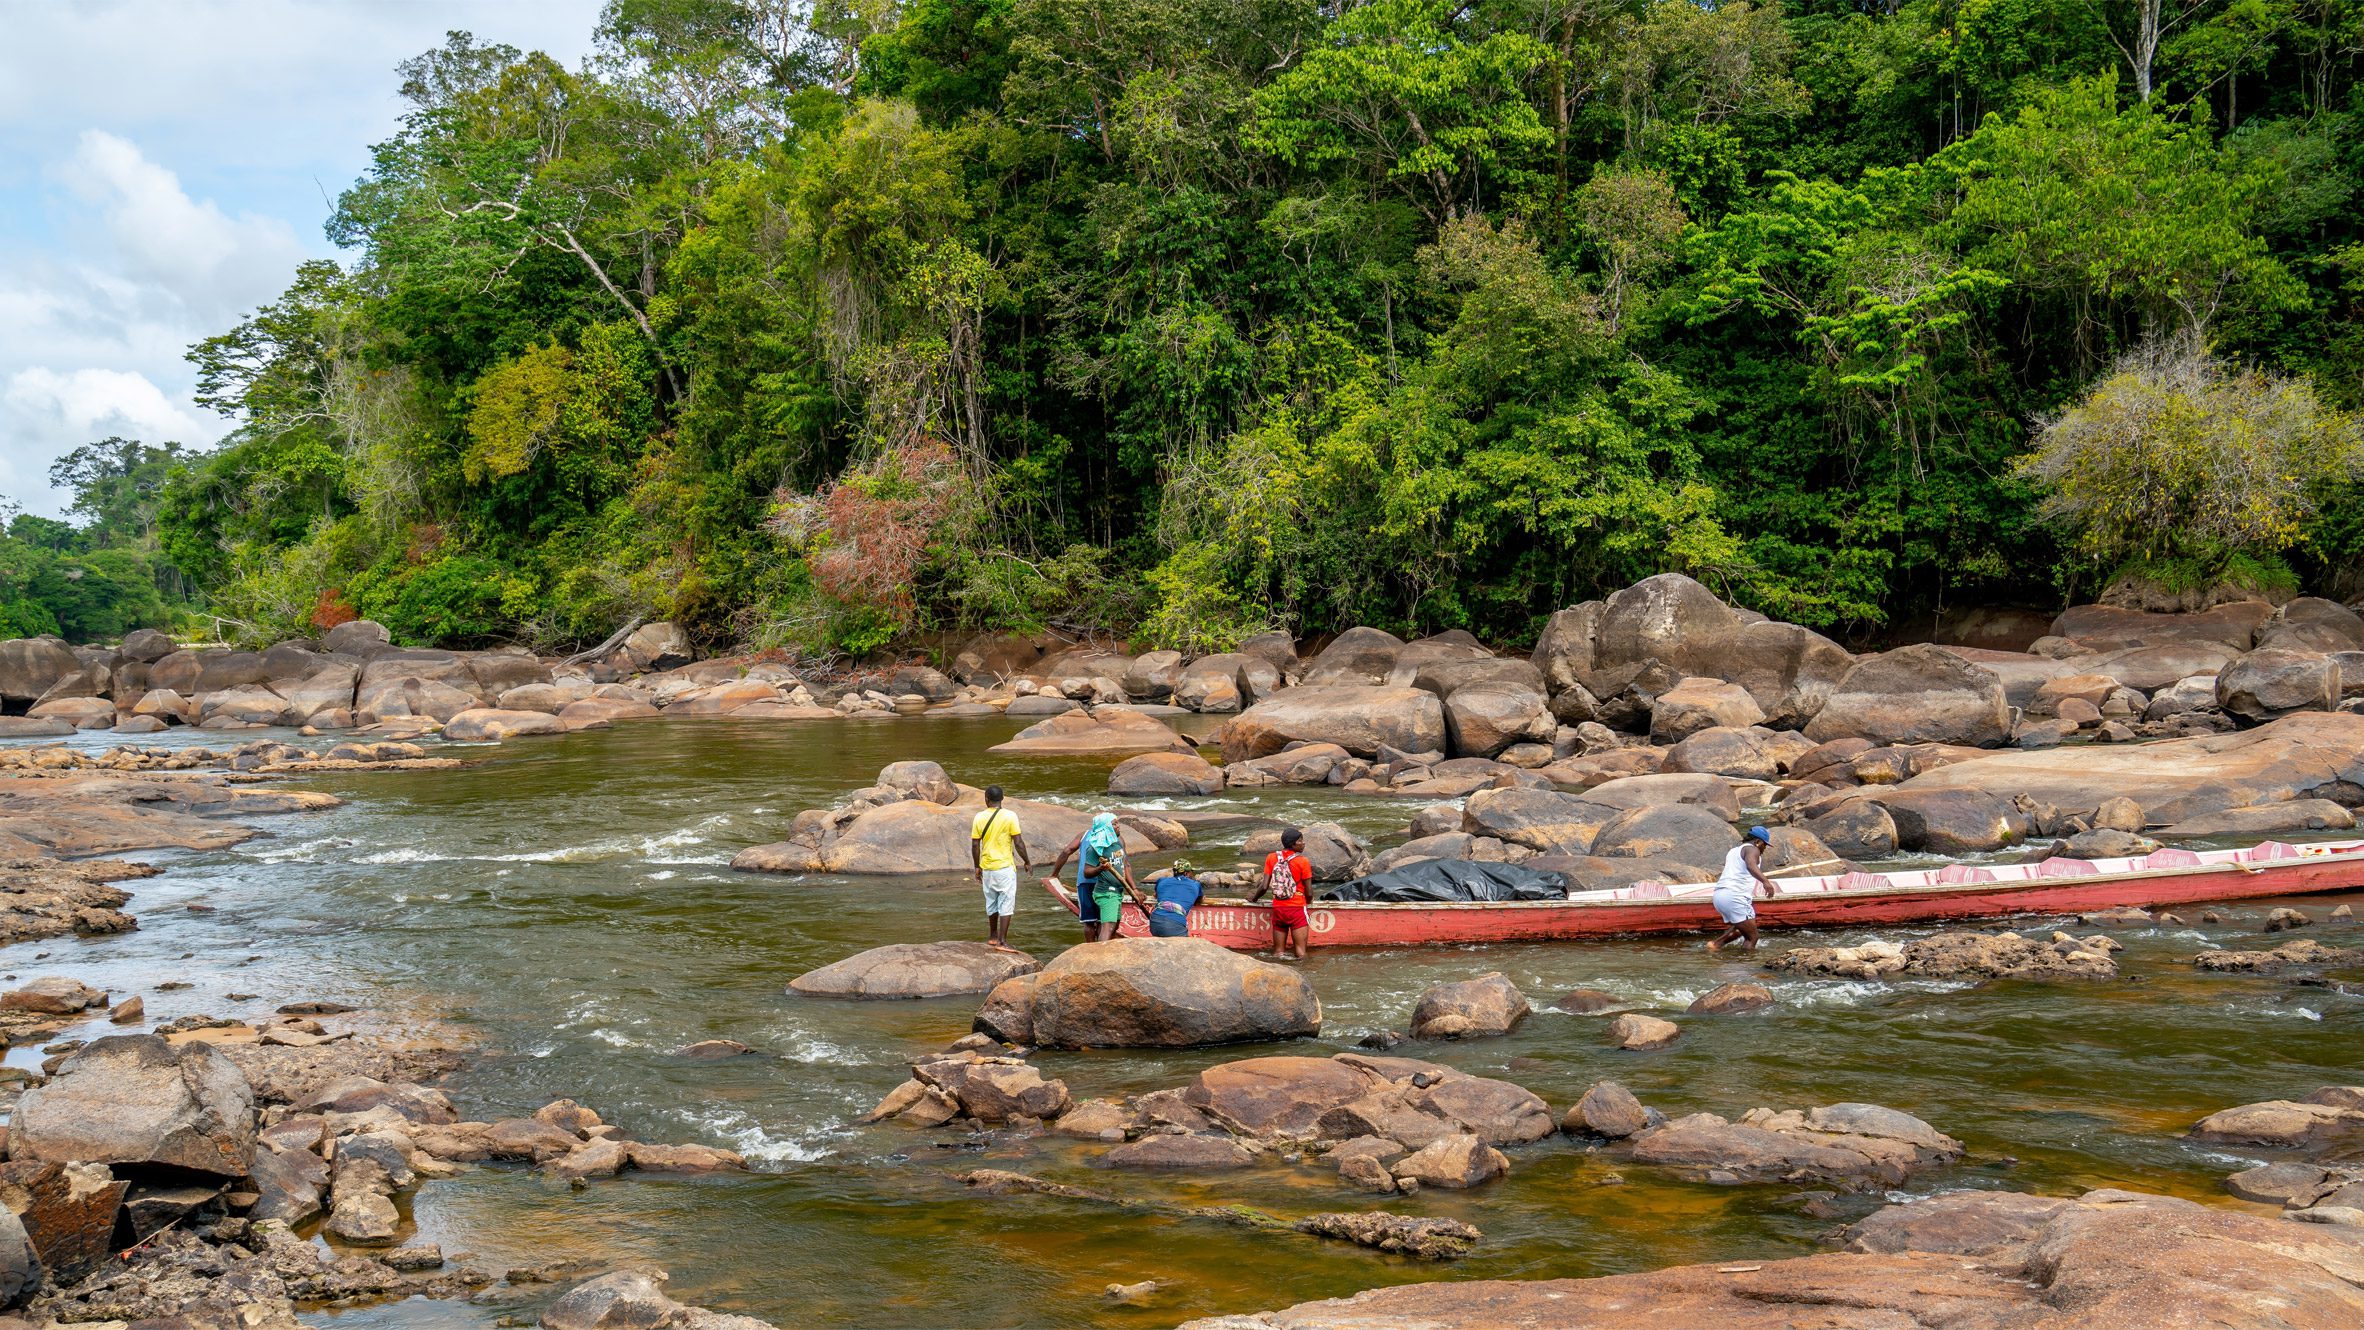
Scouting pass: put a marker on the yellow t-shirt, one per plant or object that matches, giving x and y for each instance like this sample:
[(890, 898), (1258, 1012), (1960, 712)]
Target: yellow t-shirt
[(993, 844)]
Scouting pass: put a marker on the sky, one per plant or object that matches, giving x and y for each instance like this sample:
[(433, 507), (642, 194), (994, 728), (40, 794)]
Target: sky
[(164, 166)]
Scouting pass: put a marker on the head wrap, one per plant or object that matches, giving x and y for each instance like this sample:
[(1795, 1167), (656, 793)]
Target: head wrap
[(1102, 840)]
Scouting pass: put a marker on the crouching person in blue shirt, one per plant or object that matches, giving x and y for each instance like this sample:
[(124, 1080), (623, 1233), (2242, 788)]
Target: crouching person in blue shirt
[(1177, 892)]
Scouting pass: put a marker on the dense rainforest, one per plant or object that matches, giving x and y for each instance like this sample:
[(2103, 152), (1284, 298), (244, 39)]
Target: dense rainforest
[(831, 324)]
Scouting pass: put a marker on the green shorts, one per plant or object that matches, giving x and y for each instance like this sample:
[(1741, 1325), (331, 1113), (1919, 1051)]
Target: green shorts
[(1109, 905)]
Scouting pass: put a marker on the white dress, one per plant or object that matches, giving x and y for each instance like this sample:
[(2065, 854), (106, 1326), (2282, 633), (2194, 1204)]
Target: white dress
[(1736, 890)]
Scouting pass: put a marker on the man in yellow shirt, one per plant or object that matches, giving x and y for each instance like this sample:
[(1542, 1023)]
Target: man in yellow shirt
[(997, 845)]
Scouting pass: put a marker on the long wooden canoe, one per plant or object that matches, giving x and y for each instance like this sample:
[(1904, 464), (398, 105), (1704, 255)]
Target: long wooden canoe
[(1958, 891)]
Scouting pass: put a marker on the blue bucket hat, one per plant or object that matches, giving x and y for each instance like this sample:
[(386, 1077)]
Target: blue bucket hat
[(1760, 834)]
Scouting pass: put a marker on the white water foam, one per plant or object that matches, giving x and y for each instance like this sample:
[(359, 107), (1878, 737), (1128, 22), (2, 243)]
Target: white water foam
[(738, 1131), (666, 876)]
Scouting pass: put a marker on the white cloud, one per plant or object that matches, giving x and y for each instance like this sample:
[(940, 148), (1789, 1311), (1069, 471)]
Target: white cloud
[(164, 165), (187, 249), (91, 344)]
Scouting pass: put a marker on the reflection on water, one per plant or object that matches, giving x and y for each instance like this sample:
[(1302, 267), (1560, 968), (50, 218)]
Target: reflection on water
[(569, 900)]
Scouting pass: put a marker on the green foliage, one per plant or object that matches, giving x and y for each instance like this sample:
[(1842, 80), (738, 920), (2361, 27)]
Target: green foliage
[(829, 325), (2175, 455)]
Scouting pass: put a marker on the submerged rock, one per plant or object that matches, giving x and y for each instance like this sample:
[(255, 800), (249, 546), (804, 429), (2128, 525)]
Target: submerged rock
[(1957, 955), (1841, 1142), (915, 970)]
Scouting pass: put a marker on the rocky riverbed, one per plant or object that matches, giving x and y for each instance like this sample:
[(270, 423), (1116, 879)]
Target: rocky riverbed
[(562, 906)]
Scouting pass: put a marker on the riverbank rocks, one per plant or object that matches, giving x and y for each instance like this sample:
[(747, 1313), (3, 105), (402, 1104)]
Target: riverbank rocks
[(1485, 1007), (1167, 993), (1543, 821), (1915, 694), (2300, 756), (2273, 682), (1166, 774), (915, 970), (1951, 821), (1361, 720), (494, 725), (1701, 704), (1105, 729), (135, 1101), (1844, 1143), (1958, 956)]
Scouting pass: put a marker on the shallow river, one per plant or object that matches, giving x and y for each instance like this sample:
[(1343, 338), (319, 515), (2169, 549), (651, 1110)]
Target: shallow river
[(569, 901)]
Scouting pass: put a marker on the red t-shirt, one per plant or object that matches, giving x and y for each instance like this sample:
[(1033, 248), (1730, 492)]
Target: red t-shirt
[(1300, 868)]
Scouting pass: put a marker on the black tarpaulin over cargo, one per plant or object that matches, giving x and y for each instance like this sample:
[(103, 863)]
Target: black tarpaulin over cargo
[(1441, 880)]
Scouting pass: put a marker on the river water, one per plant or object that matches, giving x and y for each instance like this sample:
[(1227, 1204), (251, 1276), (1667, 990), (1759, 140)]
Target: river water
[(568, 901)]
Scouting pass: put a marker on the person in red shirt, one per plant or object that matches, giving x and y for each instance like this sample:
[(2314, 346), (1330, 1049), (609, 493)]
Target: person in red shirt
[(1288, 877)]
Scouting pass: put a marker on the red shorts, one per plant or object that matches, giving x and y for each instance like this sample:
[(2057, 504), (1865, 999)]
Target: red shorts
[(1289, 914)]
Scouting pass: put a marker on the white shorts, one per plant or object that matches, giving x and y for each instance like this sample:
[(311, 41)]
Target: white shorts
[(1735, 907), (1001, 890)]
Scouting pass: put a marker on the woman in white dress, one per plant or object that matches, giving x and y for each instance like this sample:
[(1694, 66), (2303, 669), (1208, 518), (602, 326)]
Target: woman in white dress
[(1736, 890)]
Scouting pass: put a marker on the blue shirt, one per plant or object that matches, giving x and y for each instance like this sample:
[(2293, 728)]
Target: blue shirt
[(1179, 892)]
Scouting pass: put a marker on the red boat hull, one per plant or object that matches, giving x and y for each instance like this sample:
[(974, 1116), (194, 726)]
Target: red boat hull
[(1245, 927)]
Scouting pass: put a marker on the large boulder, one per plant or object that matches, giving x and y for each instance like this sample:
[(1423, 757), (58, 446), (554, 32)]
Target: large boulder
[(915, 970), (1482, 719), (1101, 730), (1856, 829), (1541, 820), (1668, 787), (1563, 653), (2311, 623), (1165, 773), (1669, 619), (29, 666), (916, 835), (1278, 1096), (1305, 764), (2149, 669), (1168, 993), (657, 646), (1915, 694), (2111, 628), (1337, 855), (1358, 656), (1951, 821), (1839, 1143), (359, 637), (1790, 670), (1361, 720), (1152, 675), (148, 644), (2270, 682), (133, 1101), (1701, 704), (1484, 1007), (1681, 832), (1748, 752), (2304, 755), (493, 724)]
